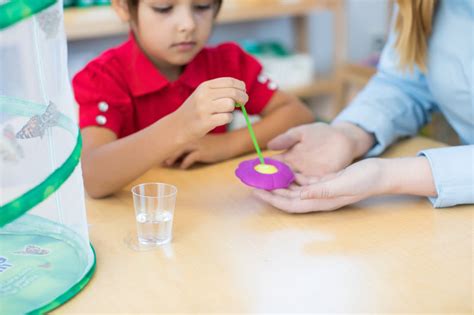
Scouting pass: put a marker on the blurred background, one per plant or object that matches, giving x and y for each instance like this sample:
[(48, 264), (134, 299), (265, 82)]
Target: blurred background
[(323, 51)]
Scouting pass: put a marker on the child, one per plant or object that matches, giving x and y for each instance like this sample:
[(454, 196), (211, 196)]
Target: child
[(153, 99)]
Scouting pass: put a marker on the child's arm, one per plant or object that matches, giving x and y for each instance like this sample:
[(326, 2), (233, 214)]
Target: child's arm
[(110, 163), (281, 113)]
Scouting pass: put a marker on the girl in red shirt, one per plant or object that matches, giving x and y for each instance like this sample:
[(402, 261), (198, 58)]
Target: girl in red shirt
[(163, 98)]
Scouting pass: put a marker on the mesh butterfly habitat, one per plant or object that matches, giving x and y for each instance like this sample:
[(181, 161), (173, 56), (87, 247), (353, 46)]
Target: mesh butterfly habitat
[(45, 254)]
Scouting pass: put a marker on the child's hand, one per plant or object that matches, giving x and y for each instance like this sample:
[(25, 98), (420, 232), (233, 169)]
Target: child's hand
[(209, 149), (359, 181), (210, 105)]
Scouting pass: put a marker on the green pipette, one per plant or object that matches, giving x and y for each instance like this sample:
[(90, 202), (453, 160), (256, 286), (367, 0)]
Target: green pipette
[(252, 134)]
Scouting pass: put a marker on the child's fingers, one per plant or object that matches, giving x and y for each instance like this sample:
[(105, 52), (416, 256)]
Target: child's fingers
[(221, 119), (237, 95), (224, 105), (226, 82), (190, 159), (170, 162), (172, 159)]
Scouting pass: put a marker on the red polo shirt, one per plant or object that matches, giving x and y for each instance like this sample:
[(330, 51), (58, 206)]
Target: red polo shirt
[(123, 91)]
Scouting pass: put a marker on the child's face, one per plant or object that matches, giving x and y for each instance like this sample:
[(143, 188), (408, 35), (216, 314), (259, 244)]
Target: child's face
[(172, 32)]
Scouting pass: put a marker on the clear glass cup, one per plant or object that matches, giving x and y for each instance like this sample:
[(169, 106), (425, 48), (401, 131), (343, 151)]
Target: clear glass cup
[(154, 210)]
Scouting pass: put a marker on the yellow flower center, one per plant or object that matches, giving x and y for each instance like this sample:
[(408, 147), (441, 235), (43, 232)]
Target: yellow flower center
[(266, 169)]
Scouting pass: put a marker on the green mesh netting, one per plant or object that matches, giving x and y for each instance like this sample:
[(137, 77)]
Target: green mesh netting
[(47, 258), (17, 10), (45, 254)]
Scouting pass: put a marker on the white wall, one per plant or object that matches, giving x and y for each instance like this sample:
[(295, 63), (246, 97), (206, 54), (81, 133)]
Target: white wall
[(368, 20)]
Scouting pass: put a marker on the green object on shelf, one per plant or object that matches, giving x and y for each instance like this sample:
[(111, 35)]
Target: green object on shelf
[(84, 3), (265, 48), (252, 47), (102, 2), (17, 10), (252, 134), (274, 48), (68, 3)]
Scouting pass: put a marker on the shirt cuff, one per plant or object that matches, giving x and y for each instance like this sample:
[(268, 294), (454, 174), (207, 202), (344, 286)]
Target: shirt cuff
[(453, 174), (372, 121)]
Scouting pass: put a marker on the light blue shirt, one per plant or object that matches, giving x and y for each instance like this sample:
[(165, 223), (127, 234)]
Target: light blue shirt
[(397, 103)]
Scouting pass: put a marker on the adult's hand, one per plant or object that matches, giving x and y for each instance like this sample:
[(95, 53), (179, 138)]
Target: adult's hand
[(366, 178), (318, 149), (359, 181)]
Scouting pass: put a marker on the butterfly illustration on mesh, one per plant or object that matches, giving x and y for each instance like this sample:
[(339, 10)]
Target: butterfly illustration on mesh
[(37, 125), (33, 250), (4, 264), (49, 21)]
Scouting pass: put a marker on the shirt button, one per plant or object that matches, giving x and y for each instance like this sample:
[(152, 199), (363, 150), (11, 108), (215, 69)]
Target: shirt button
[(101, 120), (103, 107), (262, 78), (272, 86)]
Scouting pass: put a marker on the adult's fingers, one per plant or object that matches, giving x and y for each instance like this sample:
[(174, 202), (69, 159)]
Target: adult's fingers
[(289, 193), (287, 204), (296, 205), (334, 185), (285, 140), (303, 180)]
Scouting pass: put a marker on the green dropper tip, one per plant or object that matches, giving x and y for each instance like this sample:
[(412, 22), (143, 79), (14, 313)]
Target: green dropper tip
[(252, 134)]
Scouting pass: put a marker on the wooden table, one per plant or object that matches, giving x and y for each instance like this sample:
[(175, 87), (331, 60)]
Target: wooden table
[(232, 253)]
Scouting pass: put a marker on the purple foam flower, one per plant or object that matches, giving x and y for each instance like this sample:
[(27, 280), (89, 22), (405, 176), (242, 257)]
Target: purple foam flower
[(248, 175)]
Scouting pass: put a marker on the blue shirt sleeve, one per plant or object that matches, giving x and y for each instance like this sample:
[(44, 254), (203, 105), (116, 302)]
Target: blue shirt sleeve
[(453, 174), (395, 103)]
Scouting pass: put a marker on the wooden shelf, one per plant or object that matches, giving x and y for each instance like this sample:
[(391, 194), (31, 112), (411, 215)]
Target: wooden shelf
[(93, 22), (248, 10), (318, 86)]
